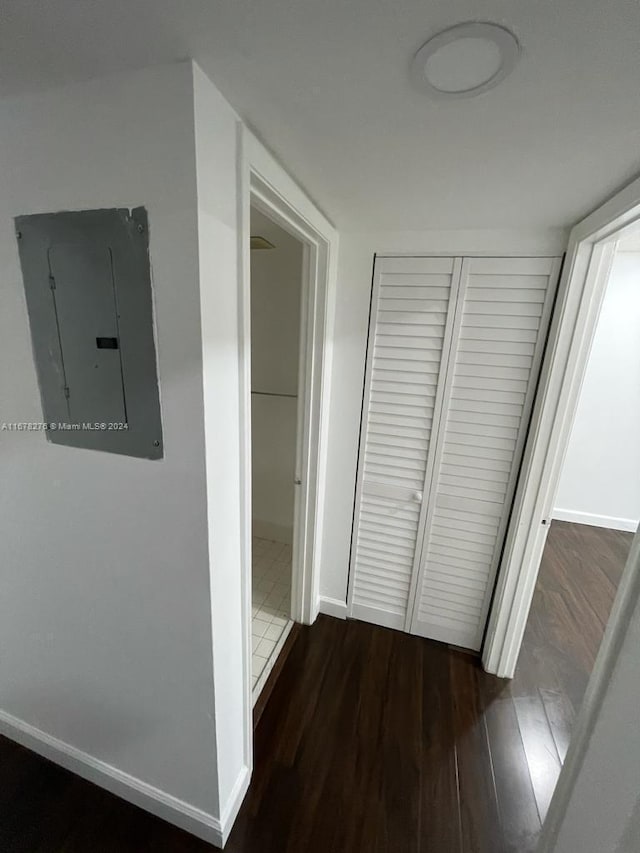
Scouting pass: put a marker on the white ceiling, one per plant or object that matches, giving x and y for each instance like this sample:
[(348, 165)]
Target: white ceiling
[(325, 83)]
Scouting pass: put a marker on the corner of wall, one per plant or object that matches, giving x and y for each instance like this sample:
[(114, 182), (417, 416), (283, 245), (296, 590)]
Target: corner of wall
[(234, 801), (148, 797), (75, 159), (216, 146)]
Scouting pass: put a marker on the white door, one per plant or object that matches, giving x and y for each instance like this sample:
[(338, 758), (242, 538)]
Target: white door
[(500, 329), (454, 353), (410, 327)]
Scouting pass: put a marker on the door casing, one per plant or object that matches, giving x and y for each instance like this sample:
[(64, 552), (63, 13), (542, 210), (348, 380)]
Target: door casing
[(590, 252)]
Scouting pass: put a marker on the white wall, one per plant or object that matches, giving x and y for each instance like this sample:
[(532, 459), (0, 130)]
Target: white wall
[(276, 280), (114, 568), (349, 344), (600, 482), (218, 165)]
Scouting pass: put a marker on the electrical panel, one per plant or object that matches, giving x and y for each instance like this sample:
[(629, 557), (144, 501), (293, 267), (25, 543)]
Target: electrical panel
[(88, 289)]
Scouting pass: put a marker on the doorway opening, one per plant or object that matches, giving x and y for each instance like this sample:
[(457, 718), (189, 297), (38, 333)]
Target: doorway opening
[(595, 514), (599, 482), (277, 399), (265, 187)]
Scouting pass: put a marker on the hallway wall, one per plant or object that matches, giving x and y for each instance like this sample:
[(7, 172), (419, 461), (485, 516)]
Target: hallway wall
[(106, 623), (600, 482), (123, 650)]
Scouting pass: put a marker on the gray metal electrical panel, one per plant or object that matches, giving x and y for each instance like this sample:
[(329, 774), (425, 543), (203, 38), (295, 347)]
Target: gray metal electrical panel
[(88, 289)]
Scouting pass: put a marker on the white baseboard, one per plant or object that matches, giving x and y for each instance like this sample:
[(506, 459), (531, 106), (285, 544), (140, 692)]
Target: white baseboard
[(232, 807), (628, 524), (270, 530), (333, 607), (129, 788)]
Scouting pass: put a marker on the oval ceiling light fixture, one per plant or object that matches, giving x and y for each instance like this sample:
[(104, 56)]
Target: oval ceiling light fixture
[(465, 60)]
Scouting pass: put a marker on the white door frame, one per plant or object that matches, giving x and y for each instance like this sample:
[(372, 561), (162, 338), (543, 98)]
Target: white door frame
[(262, 199), (263, 183), (581, 291)]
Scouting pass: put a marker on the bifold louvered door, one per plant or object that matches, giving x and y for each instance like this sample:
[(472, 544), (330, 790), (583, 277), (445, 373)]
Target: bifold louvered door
[(411, 320), (499, 332), (444, 555)]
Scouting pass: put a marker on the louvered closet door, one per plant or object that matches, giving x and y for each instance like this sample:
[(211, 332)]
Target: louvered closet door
[(499, 332), (410, 326)]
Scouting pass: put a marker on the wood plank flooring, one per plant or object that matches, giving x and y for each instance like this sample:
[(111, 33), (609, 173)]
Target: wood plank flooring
[(374, 741)]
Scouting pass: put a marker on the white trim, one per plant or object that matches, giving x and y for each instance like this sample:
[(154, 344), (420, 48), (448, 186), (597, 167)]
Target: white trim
[(265, 198), (244, 432), (593, 520), (306, 465), (589, 256), (230, 811), (271, 190), (333, 607), (129, 788), (262, 180)]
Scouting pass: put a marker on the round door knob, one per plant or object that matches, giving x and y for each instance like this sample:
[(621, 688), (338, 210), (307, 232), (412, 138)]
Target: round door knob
[(417, 496)]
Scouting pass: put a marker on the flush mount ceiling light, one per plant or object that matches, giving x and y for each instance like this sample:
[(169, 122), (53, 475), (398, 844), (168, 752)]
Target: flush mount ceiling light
[(258, 242), (465, 60)]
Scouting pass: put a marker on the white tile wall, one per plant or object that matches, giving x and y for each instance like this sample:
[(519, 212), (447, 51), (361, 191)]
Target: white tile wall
[(271, 612)]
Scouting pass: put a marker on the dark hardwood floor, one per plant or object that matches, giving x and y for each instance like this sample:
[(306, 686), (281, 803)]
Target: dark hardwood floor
[(374, 741)]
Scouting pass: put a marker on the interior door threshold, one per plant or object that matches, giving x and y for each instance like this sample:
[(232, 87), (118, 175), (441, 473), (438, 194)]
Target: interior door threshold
[(281, 655)]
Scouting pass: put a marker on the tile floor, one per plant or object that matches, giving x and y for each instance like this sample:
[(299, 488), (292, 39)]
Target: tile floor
[(271, 611)]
